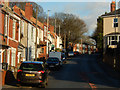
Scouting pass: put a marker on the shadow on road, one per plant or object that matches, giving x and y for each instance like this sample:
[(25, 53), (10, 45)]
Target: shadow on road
[(85, 68)]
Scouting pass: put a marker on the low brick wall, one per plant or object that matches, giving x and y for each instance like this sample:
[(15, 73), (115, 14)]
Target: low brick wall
[(3, 77), (112, 58)]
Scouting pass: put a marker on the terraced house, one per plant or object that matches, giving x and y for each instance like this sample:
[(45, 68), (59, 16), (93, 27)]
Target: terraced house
[(9, 37), (18, 37)]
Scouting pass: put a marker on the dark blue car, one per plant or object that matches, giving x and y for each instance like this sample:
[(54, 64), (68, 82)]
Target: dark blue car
[(53, 62)]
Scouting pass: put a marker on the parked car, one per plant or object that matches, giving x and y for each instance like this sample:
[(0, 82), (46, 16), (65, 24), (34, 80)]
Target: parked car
[(53, 62), (32, 72), (76, 53), (70, 53), (42, 59)]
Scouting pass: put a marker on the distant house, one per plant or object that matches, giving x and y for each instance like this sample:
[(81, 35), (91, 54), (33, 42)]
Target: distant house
[(111, 27), (59, 42)]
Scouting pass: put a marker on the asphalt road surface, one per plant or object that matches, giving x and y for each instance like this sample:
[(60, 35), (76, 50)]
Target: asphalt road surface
[(82, 72)]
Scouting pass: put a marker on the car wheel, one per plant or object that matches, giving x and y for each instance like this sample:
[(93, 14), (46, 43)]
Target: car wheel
[(18, 84), (47, 81), (43, 85)]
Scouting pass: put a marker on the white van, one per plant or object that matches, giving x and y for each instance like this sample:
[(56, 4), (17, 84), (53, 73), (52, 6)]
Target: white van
[(56, 54)]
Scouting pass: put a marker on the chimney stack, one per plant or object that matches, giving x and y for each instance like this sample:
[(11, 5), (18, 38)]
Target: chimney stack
[(113, 6), (5, 2), (28, 10)]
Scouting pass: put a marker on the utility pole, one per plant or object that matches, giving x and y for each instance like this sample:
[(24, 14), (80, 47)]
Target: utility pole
[(36, 34), (81, 46), (47, 34), (55, 25), (114, 62), (59, 30), (55, 33), (64, 40)]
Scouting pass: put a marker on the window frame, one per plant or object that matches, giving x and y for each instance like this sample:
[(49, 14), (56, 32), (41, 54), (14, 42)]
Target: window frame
[(0, 55), (13, 59), (22, 27), (115, 22), (42, 50), (110, 39), (32, 31)]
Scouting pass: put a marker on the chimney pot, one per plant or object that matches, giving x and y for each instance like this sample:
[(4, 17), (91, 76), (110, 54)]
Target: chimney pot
[(113, 6)]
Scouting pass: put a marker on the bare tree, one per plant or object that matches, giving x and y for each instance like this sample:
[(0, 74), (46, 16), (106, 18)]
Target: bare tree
[(71, 25)]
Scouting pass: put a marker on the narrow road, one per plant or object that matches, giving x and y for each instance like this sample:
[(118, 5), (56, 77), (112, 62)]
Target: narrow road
[(82, 72)]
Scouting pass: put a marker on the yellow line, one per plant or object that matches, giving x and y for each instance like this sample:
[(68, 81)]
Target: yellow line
[(93, 86)]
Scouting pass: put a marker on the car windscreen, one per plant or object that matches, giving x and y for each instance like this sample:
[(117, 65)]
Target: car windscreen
[(70, 52), (53, 60), (31, 67)]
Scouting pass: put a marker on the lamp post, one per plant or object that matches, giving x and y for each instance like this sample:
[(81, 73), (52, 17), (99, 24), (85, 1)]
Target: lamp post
[(114, 62), (47, 33), (36, 34)]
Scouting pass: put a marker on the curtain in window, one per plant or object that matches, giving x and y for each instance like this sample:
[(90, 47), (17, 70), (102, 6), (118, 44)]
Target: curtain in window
[(13, 57), (14, 27), (5, 25)]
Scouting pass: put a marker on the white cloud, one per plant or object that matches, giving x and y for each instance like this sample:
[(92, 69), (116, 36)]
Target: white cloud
[(89, 12), (95, 10)]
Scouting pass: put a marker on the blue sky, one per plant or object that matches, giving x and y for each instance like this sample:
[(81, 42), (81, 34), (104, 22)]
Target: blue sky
[(87, 11)]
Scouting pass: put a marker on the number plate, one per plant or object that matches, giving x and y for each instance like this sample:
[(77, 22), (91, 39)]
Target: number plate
[(31, 75), (51, 66)]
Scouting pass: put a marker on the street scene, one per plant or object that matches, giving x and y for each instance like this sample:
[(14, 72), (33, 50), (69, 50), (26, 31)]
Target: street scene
[(44, 45)]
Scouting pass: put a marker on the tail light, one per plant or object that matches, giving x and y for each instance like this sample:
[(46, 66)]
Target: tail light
[(41, 71), (19, 70), (41, 74), (18, 80)]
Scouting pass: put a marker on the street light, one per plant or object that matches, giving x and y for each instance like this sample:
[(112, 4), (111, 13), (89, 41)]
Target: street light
[(114, 63), (47, 33)]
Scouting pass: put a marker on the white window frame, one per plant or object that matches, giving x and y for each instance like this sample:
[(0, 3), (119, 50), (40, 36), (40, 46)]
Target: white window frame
[(109, 38), (14, 29), (5, 24), (1, 55), (38, 35), (22, 27), (41, 35), (32, 33), (115, 22), (13, 59)]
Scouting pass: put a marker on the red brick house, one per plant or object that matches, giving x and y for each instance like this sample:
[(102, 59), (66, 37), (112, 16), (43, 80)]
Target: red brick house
[(28, 15), (8, 39), (9, 35)]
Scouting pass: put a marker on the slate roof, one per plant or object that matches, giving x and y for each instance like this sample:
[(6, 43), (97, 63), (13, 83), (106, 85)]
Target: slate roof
[(112, 13)]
